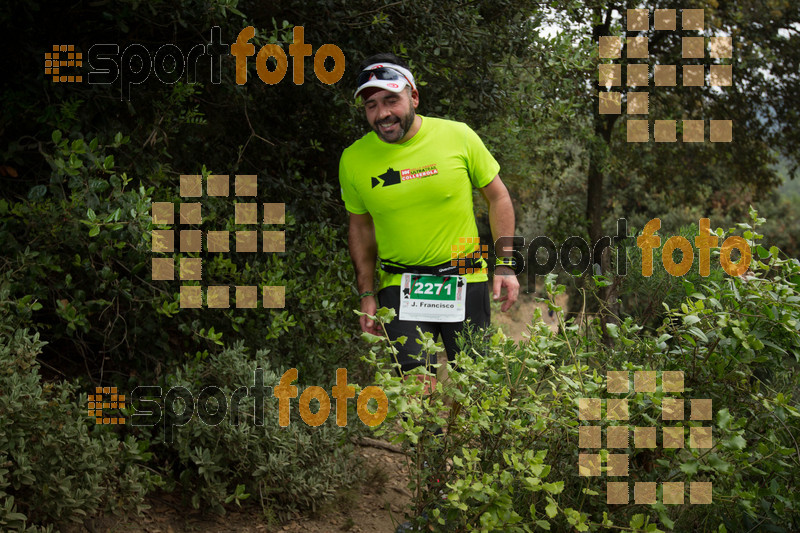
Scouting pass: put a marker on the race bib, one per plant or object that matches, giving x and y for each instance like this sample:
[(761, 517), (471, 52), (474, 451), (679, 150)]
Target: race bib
[(429, 298)]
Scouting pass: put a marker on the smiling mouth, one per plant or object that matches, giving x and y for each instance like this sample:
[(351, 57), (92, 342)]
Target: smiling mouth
[(386, 126)]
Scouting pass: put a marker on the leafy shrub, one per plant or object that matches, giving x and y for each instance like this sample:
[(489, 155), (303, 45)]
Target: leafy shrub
[(81, 248), (53, 468), (284, 470), (508, 458), (77, 265), (77, 247)]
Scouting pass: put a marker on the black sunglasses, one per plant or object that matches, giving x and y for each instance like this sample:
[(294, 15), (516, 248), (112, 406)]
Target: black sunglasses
[(380, 73)]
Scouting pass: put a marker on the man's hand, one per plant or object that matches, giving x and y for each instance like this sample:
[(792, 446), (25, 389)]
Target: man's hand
[(504, 277), (369, 306)]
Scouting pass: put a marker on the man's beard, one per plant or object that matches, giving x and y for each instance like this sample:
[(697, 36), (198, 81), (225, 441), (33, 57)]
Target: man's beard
[(405, 123)]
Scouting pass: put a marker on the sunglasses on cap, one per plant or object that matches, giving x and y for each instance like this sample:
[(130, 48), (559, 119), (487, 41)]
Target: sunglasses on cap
[(390, 77)]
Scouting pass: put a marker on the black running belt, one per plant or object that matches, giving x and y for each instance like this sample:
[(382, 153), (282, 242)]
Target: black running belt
[(445, 269)]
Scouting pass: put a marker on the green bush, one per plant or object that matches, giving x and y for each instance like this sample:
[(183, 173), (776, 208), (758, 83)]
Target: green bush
[(81, 248), (102, 312), (53, 467), (508, 459), (284, 470)]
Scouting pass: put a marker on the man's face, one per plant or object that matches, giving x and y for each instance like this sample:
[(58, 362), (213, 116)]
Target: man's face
[(390, 114)]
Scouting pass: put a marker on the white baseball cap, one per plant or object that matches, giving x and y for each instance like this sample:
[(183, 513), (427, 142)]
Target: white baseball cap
[(387, 76)]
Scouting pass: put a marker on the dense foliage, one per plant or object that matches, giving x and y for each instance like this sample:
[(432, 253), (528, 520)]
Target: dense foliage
[(508, 458), (82, 166)]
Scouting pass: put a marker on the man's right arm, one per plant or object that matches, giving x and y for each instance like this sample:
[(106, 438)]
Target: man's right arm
[(364, 253)]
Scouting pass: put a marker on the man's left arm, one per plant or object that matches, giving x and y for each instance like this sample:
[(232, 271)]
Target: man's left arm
[(501, 220)]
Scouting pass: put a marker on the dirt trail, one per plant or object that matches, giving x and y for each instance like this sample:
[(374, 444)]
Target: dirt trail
[(377, 506), (515, 321)]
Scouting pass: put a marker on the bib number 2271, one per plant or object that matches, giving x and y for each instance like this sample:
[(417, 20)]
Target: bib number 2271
[(429, 298)]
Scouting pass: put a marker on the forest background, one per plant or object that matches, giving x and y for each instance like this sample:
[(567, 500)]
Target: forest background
[(82, 166)]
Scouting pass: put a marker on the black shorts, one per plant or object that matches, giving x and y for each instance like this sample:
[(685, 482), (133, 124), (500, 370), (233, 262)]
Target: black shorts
[(477, 312)]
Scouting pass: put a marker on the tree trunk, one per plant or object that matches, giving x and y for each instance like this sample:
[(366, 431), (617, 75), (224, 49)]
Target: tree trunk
[(595, 204)]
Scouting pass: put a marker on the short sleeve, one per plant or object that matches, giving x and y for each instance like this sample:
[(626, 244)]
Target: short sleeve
[(481, 165), (352, 200)]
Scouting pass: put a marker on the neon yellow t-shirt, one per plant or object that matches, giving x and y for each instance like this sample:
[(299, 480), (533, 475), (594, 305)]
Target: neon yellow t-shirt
[(419, 193)]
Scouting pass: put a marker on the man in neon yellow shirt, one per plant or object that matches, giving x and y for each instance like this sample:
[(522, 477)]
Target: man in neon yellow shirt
[(408, 188)]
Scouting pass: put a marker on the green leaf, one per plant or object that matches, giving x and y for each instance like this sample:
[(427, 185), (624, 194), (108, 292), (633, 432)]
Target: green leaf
[(94, 231), (718, 464), (723, 418), (637, 521), (551, 509), (689, 467), (697, 332), (554, 488), (37, 192), (735, 442), (755, 343), (369, 337), (544, 524), (386, 314), (691, 319), (56, 136)]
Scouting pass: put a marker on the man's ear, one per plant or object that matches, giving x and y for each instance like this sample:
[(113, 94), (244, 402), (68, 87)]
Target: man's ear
[(415, 98)]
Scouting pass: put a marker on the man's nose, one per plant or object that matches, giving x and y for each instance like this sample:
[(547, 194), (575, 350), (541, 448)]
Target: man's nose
[(383, 111)]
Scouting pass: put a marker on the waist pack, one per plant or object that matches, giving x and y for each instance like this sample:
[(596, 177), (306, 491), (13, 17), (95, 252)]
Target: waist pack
[(445, 269)]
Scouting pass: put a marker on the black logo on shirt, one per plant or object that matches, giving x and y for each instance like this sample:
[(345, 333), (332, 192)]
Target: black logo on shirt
[(390, 177), (393, 177)]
